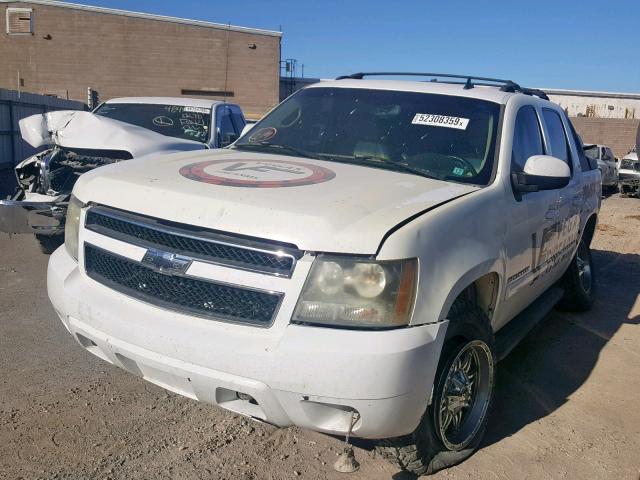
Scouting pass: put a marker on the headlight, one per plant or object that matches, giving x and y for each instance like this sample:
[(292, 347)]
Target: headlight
[(72, 226), (626, 163), (354, 292)]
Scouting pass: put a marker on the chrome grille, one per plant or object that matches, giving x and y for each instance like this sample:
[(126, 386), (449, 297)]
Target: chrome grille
[(185, 294), (222, 249)]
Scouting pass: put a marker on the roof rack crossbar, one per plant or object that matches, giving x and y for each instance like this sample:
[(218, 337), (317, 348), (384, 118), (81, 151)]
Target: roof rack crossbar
[(469, 81), (467, 78)]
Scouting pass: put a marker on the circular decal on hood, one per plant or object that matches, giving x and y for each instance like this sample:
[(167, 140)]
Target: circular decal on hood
[(257, 174)]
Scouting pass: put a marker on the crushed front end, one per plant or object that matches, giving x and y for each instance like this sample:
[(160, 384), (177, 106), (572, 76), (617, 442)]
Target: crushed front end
[(629, 176), (45, 182)]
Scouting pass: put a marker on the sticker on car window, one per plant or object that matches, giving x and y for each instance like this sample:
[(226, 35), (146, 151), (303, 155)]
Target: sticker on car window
[(434, 120), (458, 171), (196, 110), (263, 135)]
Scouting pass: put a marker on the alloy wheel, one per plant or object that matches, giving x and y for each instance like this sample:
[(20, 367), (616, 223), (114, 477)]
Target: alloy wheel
[(584, 267), (466, 394)]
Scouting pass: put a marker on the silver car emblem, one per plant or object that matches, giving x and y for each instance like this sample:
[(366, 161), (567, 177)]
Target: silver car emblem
[(166, 262)]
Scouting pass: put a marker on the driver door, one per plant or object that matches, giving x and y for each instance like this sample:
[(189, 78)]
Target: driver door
[(533, 221)]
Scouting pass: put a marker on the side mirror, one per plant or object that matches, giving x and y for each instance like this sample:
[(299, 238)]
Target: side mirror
[(541, 172)]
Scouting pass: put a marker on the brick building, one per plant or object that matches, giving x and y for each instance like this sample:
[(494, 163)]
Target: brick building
[(618, 133), (62, 49)]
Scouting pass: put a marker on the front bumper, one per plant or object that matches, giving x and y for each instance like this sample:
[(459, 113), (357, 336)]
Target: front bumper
[(44, 218), (288, 374), (629, 177)]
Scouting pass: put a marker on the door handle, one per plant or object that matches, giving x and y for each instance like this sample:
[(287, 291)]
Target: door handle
[(551, 214)]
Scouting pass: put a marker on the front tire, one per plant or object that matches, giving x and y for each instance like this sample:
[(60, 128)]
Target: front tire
[(453, 425), (579, 282)]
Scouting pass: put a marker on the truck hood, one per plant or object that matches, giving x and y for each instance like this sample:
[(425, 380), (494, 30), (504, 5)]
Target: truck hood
[(77, 129), (316, 205)]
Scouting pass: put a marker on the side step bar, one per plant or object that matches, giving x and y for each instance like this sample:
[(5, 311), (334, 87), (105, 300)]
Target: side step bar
[(513, 332)]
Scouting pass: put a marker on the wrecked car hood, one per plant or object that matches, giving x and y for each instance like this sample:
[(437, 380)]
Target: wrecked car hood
[(313, 204), (77, 129)]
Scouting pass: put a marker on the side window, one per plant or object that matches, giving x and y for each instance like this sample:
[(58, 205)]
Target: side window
[(558, 145), (527, 139), (586, 163), (608, 155), (226, 132)]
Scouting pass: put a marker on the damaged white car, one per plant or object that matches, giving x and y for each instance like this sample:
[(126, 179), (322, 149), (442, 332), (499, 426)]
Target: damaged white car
[(629, 174), (119, 129)]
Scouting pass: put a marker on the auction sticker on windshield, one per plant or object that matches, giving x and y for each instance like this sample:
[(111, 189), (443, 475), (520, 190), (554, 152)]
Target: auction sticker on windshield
[(256, 174), (434, 120)]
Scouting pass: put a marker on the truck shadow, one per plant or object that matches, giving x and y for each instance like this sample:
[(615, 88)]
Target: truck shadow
[(557, 358)]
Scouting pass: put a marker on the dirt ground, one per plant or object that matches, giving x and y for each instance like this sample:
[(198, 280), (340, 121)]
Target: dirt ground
[(567, 402)]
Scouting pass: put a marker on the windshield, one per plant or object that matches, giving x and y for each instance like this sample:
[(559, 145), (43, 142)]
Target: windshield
[(445, 137), (592, 152), (188, 123)]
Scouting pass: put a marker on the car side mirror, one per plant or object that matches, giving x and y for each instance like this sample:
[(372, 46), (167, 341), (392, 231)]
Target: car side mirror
[(541, 172)]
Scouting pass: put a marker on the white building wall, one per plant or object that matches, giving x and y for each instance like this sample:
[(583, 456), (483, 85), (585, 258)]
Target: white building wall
[(597, 104)]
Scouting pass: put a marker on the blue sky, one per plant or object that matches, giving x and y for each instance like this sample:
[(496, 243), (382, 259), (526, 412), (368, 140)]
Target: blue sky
[(588, 44)]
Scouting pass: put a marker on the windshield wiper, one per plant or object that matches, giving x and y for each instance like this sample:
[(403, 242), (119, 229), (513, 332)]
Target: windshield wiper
[(286, 149), (372, 160)]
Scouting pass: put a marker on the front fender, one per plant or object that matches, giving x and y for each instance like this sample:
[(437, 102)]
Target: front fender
[(457, 243)]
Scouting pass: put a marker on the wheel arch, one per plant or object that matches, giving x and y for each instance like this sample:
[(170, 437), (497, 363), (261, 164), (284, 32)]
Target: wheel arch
[(590, 229), (482, 286)]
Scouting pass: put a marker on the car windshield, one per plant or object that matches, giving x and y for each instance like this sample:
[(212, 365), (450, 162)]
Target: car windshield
[(440, 136), (188, 123), (592, 152)]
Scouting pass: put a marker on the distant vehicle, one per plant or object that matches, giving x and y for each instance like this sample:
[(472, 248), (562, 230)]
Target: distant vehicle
[(606, 163), (119, 129), (356, 263), (629, 174)]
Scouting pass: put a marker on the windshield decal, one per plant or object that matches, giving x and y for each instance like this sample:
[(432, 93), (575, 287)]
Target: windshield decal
[(257, 174), (434, 120), (197, 110), (263, 135)]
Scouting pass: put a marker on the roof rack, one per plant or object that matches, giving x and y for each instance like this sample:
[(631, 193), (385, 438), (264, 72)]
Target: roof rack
[(469, 81)]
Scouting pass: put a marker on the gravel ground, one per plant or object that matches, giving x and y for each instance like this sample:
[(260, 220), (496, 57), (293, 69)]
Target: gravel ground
[(566, 404)]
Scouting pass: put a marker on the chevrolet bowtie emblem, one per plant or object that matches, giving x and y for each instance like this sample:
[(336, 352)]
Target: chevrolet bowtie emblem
[(166, 262)]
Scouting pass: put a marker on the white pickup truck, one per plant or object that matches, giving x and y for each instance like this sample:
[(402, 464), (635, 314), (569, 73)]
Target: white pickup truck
[(357, 262)]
